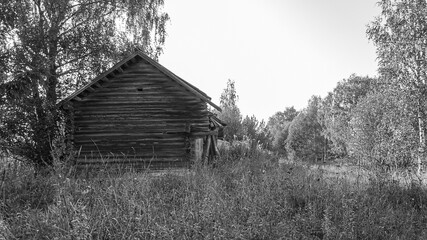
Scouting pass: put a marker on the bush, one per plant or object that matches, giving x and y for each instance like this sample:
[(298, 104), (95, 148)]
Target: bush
[(382, 132), (305, 141)]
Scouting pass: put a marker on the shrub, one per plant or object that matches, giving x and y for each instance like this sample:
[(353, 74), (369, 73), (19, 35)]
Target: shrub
[(382, 132)]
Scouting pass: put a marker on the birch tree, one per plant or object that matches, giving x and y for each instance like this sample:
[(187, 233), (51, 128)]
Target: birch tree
[(50, 47), (400, 36), (231, 113)]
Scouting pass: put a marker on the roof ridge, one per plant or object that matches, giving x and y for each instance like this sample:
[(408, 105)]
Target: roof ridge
[(196, 91)]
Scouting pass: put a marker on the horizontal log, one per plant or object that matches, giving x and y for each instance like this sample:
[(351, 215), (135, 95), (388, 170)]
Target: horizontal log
[(142, 102), (107, 146), (97, 161), (135, 134), (131, 119), (142, 65), (147, 140), (131, 142), (139, 97), (169, 113), (198, 134), (135, 93), (83, 141), (126, 123), (129, 155), (124, 127), (139, 66), (160, 107), (91, 133), (128, 159), (132, 151), (150, 113), (145, 74), (145, 146), (118, 127), (138, 150), (134, 81), (149, 150), (132, 147), (121, 82), (146, 115), (83, 151), (142, 108), (146, 119), (138, 93), (129, 124), (145, 67), (125, 163), (122, 131), (106, 116), (147, 87)]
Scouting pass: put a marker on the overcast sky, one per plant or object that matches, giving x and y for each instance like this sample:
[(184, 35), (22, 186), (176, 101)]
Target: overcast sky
[(279, 52)]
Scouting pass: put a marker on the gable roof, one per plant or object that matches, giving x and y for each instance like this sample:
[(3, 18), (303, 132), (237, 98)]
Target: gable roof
[(130, 59)]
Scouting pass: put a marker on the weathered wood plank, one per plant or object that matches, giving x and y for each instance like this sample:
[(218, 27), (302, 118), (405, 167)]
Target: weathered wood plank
[(97, 161), (140, 141), (138, 113), (137, 156)]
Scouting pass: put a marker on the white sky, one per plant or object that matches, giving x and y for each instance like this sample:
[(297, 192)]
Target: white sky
[(279, 52)]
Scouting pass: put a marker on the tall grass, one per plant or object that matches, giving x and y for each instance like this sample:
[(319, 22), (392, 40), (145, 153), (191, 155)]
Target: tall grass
[(249, 197)]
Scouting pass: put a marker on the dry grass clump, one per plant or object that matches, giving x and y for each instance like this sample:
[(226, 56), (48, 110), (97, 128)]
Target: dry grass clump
[(247, 198)]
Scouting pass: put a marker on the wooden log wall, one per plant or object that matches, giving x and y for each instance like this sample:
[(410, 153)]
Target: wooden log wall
[(140, 116)]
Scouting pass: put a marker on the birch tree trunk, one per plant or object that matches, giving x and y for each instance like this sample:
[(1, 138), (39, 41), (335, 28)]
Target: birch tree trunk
[(422, 140)]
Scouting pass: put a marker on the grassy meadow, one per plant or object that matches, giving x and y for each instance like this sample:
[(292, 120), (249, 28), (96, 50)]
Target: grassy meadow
[(243, 197)]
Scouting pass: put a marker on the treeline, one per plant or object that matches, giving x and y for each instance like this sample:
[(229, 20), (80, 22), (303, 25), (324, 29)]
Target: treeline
[(363, 119), (377, 121)]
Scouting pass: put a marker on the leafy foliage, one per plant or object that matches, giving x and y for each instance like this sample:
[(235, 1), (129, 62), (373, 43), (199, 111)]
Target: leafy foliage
[(231, 113), (382, 130), (305, 140), (278, 125), (51, 47), (399, 35), (257, 132), (336, 110)]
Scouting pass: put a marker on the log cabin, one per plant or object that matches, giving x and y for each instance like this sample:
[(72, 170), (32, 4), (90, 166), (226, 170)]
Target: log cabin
[(139, 114)]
